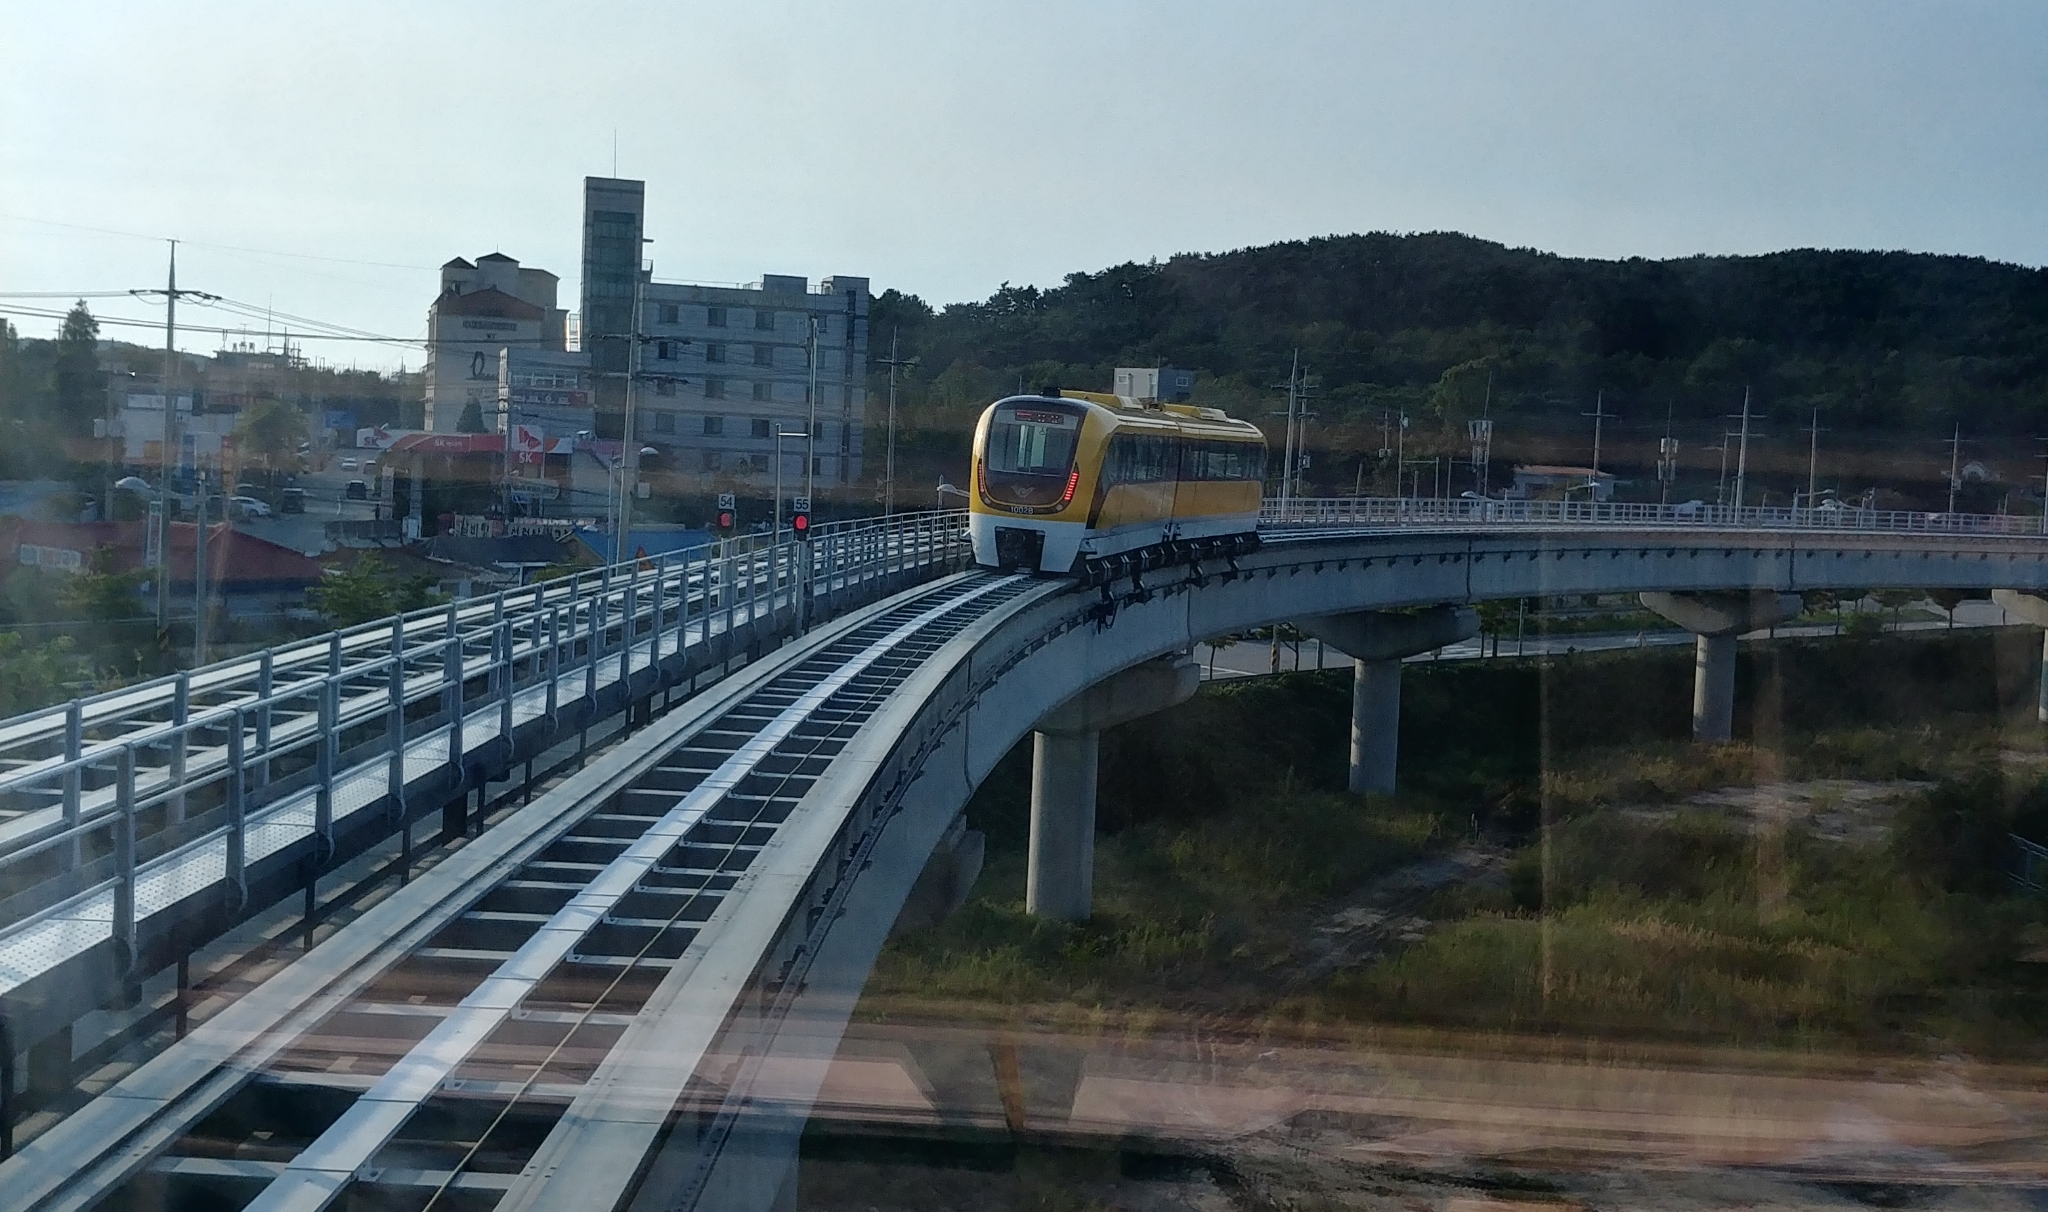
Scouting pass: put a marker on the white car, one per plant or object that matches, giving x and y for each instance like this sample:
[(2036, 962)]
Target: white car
[(250, 507), (348, 463)]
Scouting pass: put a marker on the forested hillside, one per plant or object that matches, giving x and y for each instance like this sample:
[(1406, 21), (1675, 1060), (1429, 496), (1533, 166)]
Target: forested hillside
[(1881, 343)]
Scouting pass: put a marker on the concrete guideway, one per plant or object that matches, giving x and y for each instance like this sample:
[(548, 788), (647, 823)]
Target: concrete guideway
[(800, 875)]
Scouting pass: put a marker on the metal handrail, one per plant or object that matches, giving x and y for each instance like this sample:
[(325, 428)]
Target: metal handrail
[(552, 635), (1426, 511)]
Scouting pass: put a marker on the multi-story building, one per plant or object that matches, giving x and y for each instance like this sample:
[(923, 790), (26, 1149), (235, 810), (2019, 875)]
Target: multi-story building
[(725, 368), (492, 305), (722, 369)]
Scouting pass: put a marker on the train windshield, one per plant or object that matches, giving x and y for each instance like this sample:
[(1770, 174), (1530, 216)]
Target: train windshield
[(1030, 453)]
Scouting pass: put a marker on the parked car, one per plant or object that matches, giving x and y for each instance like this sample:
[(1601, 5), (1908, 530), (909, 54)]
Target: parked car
[(357, 490), (291, 500), (250, 507)]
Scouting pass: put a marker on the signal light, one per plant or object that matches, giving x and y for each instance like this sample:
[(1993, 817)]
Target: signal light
[(801, 524), (725, 519)]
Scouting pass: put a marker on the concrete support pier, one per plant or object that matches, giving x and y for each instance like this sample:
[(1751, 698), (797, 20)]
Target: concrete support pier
[(1377, 641), (1715, 620), (2032, 609), (1060, 875)]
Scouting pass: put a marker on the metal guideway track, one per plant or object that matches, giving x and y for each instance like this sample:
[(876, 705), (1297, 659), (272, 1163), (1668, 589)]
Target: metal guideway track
[(134, 824), (548, 958)]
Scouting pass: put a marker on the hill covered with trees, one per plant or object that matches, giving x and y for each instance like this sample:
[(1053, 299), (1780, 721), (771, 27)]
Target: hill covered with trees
[(1442, 326)]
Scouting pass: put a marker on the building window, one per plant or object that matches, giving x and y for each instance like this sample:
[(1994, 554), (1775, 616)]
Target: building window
[(714, 426), (824, 324), (714, 353), (714, 389), (764, 391), (714, 317), (664, 386), (817, 431), (763, 427), (764, 355), (711, 460), (671, 314), (764, 319), (664, 422), (665, 350)]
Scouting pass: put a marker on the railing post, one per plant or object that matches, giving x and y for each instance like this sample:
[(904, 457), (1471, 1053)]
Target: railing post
[(74, 778), (323, 793), (590, 655), (451, 672), (506, 686), (501, 667), (654, 608), (554, 627), (629, 605), (124, 856), (683, 605), (394, 724), (265, 686), (729, 584), (753, 579), (237, 875), (181, 710)]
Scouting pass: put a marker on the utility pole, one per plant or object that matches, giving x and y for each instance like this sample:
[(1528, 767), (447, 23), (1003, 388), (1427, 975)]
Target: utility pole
[(1742, 451), (889, 475), (160, 525), (1667, 459), (1955, 450), (1481, 433), (1813, 432), (1599, 415), (1287, 468), (1721, 484), (1400, 453)]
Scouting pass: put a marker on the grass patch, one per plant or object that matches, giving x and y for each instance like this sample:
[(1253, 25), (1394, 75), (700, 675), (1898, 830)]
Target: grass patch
[(1227, 845)]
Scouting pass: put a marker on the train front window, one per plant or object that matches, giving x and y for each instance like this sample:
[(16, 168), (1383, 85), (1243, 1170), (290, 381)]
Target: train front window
[(1030, 454)]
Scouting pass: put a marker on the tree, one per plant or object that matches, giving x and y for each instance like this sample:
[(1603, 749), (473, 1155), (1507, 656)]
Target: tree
[(102, 595), (34, 675), (1894, 600), (368, 589), (472, 418), (271, 430), (76, 376)]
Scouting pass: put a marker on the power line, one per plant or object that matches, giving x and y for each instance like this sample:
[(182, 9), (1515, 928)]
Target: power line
[(261, 252)]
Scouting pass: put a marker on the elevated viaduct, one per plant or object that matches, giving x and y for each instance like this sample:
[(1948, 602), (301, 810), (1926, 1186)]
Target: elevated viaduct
[(573, 1009)]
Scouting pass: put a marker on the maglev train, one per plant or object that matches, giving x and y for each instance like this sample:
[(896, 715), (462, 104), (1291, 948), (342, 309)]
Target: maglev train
[(1093, 484)]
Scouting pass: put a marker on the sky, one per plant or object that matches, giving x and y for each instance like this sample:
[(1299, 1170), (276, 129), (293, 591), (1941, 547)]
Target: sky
[(321, 160)]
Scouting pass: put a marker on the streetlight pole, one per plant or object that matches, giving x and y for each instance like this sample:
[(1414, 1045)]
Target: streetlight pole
[(811, 399), (630, 454)]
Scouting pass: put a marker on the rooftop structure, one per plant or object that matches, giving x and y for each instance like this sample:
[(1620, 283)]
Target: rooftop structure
[(484, 308)]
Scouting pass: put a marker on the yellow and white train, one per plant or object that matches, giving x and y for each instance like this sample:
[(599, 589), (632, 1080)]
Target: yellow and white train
[(1094, 484)]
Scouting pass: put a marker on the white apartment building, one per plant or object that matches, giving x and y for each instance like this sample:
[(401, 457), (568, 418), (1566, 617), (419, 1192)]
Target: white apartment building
[(483, 308), (725, 367)]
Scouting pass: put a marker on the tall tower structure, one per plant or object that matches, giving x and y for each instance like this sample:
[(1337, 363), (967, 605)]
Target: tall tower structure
[(614, 216)]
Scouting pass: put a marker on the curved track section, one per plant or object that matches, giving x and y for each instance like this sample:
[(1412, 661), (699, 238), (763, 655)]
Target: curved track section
[(409, 1067)]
